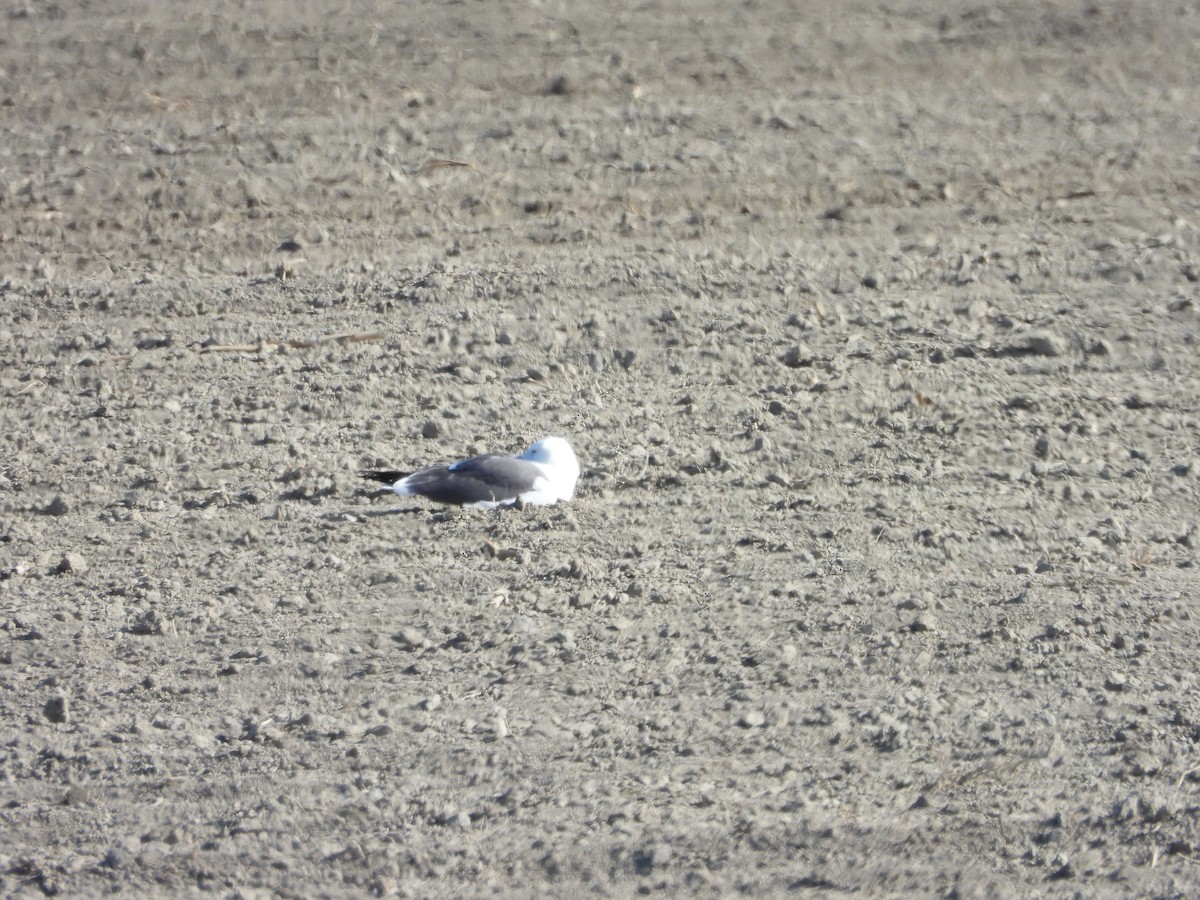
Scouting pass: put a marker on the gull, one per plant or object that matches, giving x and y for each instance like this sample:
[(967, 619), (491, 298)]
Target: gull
[(541, 476)]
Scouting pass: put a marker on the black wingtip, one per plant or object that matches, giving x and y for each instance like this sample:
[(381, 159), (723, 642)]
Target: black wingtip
[(388, 477)]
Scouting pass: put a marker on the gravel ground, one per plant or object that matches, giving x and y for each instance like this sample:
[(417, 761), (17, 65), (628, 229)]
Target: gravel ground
[(874, 329)]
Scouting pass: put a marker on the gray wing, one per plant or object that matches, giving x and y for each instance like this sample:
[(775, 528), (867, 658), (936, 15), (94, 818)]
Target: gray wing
[(480, 479)]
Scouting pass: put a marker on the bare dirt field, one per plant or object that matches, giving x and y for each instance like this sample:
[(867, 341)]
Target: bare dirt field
[(875, 330)]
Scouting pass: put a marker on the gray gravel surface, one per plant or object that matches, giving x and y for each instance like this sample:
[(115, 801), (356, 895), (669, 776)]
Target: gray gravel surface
[(874, 329)]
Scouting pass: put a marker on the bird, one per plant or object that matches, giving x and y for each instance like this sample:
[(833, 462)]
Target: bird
[(541, 476)]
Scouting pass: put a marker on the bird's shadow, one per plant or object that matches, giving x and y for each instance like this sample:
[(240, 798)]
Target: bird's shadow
[(407, 511), (445, 514), (436, 515), (394, 511)]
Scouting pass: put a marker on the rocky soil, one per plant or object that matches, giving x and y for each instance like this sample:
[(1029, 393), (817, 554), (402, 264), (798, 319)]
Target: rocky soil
[(875, 329)]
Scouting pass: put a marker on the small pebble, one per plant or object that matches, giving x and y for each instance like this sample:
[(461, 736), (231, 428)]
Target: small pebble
[(58, 506), (57, 709), (1034, 343), (797, 357), (410, 638), (924, 622), (752, 718), (72, 563)]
